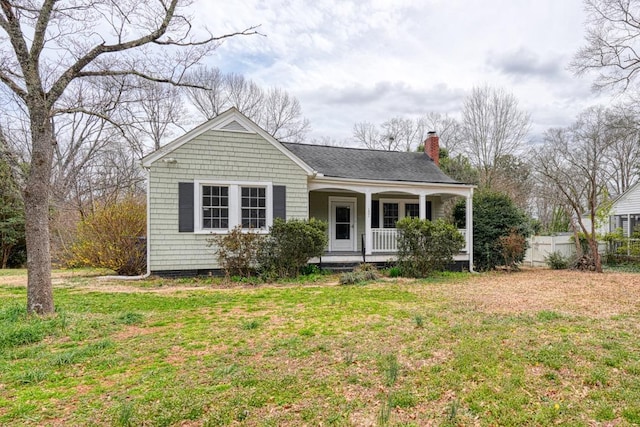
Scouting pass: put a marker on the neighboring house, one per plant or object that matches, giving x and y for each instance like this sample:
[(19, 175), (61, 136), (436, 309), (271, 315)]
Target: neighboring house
[(228, 172), (625, 211)]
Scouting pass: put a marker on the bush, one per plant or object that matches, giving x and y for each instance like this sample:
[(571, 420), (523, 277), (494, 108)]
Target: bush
[(113, 237), (425, 247), (351, 278), (237, 251), (557, 261), (367, 271), (290, 245), (494, 216), (395, 272), (513, 248)]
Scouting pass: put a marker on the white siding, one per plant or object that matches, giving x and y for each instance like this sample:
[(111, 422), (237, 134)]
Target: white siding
[(629, 203)]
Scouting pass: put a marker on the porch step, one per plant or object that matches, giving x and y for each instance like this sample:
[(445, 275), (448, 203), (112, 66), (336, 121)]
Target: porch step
[(345, 267)]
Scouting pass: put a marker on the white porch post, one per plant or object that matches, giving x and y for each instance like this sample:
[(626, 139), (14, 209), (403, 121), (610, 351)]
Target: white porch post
[(629, 226), (469, 228), (423, 206), (368, 236)]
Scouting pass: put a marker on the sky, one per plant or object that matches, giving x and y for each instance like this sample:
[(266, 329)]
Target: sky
[(355, 61)]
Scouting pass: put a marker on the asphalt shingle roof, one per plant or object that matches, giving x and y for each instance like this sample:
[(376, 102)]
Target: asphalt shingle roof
[(356, 163)]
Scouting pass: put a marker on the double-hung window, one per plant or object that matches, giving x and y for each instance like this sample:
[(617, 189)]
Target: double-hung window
[(226, 205), (254, 207), (412, 210), (215, 207), (392, 210), (390, 215)]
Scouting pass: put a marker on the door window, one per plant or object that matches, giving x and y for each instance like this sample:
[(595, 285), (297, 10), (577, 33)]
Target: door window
[(343, 222)]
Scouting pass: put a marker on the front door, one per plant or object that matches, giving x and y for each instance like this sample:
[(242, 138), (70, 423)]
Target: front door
[(343, 225)]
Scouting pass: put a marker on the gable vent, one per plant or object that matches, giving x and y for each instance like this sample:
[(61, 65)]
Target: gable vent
[(234, 125)]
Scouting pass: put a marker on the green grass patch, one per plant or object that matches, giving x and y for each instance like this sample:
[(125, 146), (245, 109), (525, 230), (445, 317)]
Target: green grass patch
[(394, 352)]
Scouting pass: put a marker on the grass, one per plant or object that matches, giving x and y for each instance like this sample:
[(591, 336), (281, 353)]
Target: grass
[(529, 348)]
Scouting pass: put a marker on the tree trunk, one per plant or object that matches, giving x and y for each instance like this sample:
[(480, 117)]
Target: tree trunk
[(36, 201), (593, 244), (6, 251)]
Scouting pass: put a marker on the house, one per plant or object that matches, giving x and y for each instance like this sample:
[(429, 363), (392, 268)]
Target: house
[(228, 172), (625, 211)]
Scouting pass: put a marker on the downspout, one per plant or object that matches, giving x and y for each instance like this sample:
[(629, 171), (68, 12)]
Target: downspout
[(148, 173), (469, 226)]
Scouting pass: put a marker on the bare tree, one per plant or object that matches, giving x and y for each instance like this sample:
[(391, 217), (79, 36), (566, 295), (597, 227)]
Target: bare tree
[(207, 93), (49, 47), (573, 163), (329, 141), (624, 153), (612, 43), (275, 110), (367, 134), (244, 94), (160, 113), (395, 134), (493, 126), (448, 129), (281, 116), (512, 176)]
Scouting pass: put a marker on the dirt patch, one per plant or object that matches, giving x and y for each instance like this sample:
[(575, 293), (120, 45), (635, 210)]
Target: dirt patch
[(534, 290)]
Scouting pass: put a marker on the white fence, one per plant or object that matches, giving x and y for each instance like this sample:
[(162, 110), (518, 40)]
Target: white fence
[(541, 246)]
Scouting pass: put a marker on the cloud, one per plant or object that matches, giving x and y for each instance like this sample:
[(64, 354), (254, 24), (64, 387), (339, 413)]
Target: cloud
[(333, 110), (527, 63), (369, 60)]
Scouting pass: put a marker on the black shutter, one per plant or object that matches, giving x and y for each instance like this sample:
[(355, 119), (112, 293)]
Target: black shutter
[(185, 207), (375, 214), (280, 202), (429, 215)]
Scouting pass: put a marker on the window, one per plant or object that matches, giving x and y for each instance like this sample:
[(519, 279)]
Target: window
[(215, 207), (254, 207), (412, 210), (389, 215), (392, 210), (227, 204)]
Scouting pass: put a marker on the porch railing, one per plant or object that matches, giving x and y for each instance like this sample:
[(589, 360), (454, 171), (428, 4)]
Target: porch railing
[(386, 239)]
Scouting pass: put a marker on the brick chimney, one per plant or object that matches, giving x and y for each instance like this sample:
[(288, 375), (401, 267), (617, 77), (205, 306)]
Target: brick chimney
[(432, 147)]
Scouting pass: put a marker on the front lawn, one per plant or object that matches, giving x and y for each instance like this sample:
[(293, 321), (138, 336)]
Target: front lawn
[(538, 347)]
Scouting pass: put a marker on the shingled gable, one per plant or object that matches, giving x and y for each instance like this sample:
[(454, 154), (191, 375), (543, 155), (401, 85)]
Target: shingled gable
[(356, 163), (231, 120)]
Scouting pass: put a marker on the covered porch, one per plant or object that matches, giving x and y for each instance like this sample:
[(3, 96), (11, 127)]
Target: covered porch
[(626, 222), (362, 217)]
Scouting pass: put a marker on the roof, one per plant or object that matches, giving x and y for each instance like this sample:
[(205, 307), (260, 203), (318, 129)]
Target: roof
[(357, 163)]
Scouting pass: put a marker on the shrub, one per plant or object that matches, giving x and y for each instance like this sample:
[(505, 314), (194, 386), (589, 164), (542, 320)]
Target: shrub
[(494, 216), (513, 247), (362, 273), (367, 271), (395, 272), (425, 247), (290, 245), (351, 278), (113, 237), (557, 261), (237, 251)]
